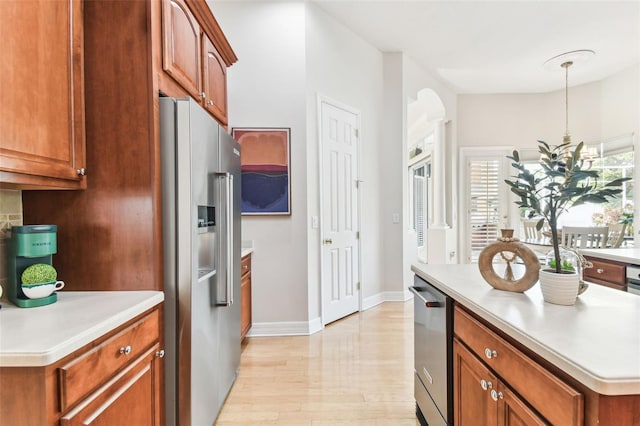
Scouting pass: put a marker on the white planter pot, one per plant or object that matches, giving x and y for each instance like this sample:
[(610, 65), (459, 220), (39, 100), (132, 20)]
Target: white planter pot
[(560, 289)]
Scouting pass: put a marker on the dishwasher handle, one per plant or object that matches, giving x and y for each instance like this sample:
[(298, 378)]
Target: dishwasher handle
[(430, 302)]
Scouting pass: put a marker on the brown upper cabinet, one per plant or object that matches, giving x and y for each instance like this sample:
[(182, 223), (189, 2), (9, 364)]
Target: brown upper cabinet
[(42, 91), (110, 235), (191, 58)]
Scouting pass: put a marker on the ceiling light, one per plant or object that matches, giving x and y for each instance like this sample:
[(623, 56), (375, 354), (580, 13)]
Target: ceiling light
[(565, 60)]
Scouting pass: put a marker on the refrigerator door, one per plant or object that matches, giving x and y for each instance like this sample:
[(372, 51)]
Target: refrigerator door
[(206, 340), (228, 275), (189, 158)]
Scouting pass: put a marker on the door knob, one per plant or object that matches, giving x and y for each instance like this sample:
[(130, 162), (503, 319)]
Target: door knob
[(328, 241)]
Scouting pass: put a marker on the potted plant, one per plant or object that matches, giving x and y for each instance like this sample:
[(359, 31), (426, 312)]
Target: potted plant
[(562, 182)]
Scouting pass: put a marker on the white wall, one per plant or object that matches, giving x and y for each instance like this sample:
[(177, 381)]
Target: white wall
[(346, 69), (267, 89), (288, 54), (597, 111), (441, 242)]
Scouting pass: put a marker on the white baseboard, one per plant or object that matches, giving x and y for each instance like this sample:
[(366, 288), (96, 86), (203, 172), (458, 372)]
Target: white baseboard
[(285, 328), (385, 296), (306, 328)]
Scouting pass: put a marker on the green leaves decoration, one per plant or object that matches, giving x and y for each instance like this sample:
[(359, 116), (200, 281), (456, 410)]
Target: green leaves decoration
[(560, 184)]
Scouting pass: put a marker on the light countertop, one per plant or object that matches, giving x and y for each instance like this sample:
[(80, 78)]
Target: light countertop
[(624, 255), (596, 341), (246, 248), (41, 336)]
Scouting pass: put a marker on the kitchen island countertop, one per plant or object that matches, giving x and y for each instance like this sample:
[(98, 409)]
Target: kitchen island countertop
[(40, 336), (596, 341), (629, 255)]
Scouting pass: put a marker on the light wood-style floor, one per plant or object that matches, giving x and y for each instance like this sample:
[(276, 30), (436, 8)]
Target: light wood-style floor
[(357, 371)]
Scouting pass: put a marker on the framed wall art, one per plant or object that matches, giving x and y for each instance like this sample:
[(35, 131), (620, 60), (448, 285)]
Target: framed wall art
[(266, 176)]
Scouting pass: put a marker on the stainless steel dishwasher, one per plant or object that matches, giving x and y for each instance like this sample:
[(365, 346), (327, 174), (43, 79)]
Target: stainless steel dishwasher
[(433, 349)]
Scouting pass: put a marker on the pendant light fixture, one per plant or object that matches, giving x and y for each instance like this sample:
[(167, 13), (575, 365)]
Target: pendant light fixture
[(566, 60)]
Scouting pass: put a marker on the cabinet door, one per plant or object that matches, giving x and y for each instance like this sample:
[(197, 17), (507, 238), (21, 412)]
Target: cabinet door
[(513, 412), (214, 80), (131, 398), (245, 304), (472, 404), (181, 45), (42, 94)]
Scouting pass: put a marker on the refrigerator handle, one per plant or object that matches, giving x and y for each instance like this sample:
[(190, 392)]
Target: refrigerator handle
[(229, 209), (228, 234)]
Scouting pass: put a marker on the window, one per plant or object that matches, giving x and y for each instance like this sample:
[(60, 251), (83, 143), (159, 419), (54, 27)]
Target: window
[(420, 181), (615, 159)]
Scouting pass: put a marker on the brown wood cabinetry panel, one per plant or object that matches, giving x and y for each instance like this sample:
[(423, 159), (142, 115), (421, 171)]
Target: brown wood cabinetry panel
[(512, 411), (129, 398), (556, 401), (181, 46), (214, 81), (607, 272), (245, 296), (109, 236), (82, 375), (42, 93), (472, 405)]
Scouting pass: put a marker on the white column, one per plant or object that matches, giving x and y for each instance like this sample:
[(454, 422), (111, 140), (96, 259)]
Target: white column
[(438, 176)]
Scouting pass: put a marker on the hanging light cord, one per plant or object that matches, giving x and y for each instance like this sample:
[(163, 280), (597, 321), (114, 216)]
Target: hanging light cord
[(566, 65)]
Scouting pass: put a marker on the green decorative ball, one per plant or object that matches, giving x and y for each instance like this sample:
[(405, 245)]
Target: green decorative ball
[(39, 273)]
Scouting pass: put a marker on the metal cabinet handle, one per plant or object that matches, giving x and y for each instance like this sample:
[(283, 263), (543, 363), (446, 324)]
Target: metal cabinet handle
[(490, 353), (600, 270), (209, 102), (203, 95), (160, 353), (328, 241), (245, 267), (126, 350), (496, 395), (485, 384), (81, 172)]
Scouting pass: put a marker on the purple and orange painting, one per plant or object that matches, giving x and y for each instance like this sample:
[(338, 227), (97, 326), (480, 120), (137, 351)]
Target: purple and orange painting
[(266, 188)]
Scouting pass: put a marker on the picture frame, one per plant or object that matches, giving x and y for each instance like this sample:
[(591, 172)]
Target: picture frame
[(265, 169)]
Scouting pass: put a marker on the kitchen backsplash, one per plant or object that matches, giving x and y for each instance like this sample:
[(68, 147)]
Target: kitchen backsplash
[(10, 215)]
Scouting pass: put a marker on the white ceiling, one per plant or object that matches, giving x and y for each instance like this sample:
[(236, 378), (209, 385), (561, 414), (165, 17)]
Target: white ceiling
[(499, 46)]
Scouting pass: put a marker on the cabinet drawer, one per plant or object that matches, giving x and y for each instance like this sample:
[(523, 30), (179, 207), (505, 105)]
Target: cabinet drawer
[(245, 264), (555, 400), (614, 273), (91, 369)]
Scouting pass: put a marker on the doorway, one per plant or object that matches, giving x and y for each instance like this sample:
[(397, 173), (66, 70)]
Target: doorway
[(339, 205)]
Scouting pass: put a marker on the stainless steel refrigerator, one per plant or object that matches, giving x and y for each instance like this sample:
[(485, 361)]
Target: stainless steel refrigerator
[(201, 244)]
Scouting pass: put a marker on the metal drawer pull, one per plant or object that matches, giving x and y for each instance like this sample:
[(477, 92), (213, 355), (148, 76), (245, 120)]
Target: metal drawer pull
[(126, 350), (160, 353), (496, 395), (489, 353), (600, 270), (485, 385)]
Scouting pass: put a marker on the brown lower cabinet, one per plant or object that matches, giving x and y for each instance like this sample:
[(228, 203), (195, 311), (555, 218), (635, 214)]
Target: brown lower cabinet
[(607, 272), (245, 296), (495, 381), (480, 398), (522, 388), (114, 380)]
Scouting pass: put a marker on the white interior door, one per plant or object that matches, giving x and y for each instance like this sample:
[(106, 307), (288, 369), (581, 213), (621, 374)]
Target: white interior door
[(340, 220)]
